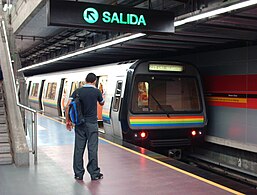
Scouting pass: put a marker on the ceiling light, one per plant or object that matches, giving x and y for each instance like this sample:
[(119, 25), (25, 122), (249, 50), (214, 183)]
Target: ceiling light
[(6, 7), (93, 48), (215, 12), (134, 36)]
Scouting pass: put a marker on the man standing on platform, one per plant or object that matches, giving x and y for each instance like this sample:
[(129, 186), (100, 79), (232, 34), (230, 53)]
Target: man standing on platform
[(86, 133)]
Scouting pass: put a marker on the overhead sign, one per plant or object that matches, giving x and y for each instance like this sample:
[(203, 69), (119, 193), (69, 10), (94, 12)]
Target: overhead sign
[(108, 17), (91, 16), (166, 67)]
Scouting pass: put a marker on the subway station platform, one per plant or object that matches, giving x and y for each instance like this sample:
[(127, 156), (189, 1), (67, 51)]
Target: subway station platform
[(127, 169)]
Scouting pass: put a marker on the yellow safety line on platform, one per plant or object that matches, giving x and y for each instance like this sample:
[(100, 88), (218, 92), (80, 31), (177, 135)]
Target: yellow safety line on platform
[(177, 169), (52, 118), (165, 164)]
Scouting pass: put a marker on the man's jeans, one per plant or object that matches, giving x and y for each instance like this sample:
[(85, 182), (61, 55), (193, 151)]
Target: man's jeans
[(87, 132)]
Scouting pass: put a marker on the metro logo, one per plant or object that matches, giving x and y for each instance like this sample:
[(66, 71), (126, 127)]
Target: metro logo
[(130, 19)]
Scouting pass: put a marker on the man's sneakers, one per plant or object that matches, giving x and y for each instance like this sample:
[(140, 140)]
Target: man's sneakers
[(99, 176), (78, 178)]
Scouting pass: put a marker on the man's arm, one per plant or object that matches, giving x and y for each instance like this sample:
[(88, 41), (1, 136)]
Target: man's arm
[(100, 98), (68, 121), (101, 103)]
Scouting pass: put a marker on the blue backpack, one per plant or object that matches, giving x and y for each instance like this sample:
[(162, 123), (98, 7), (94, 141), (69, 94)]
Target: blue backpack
[(75, 111)]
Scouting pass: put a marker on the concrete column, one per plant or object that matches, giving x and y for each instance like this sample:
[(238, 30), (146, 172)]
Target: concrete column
[(23, 11), (19, 76), (19, 142)]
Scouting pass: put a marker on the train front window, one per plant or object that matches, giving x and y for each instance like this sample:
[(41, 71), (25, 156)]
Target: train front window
[(161, 94), (142, 97)]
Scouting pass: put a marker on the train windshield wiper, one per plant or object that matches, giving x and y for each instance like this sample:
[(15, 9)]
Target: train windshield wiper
[(160, 106)]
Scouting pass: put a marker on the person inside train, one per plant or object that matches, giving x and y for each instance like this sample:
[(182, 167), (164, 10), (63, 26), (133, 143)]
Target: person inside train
[(86, 133), (142, 95)]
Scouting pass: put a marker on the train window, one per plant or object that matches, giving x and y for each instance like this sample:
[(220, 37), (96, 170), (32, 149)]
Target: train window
[(51, 91), (117, 96), (81, 83), (102, 84), (74, 86), (34, 91), (48, 90), (161, 94)]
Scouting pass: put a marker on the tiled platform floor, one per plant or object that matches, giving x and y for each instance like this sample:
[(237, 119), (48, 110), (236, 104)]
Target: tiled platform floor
[(125, 172)]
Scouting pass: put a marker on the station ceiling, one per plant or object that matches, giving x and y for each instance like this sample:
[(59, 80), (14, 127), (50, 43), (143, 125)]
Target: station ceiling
[(36, 42)]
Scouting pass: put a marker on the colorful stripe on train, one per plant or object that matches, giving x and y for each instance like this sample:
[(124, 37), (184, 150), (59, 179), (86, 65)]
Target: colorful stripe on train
[(154, 121), (50, 103), (106, 116), (33, 99)]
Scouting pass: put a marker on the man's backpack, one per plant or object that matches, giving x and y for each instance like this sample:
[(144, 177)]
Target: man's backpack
[(76, 111)]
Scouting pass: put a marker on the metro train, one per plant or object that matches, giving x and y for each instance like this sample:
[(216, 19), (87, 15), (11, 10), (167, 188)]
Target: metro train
[(147, 103)]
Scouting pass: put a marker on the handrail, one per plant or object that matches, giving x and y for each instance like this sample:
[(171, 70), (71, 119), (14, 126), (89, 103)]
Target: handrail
[(34, 112)]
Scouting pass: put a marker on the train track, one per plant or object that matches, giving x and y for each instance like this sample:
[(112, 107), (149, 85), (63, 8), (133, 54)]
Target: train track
[(221, 169)]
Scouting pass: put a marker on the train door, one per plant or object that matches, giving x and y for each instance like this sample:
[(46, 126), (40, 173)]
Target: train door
[(102, 82), (102, 86), (28, 89), (74, 86), (40, 97), (116, 109), (62, 97)]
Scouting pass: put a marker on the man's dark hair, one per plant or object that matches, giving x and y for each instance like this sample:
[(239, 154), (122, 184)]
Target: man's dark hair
[(91, 77)]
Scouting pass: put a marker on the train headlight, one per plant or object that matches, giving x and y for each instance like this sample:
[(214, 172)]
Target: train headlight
[(193, 133), (143, 134)]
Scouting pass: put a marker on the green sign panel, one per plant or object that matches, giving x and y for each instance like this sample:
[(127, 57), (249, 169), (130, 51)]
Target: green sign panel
[(91, 16), (128, 19), (108, 17)]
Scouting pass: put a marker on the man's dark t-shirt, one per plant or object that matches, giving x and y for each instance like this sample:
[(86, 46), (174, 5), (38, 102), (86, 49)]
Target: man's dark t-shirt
[(89, 96)]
